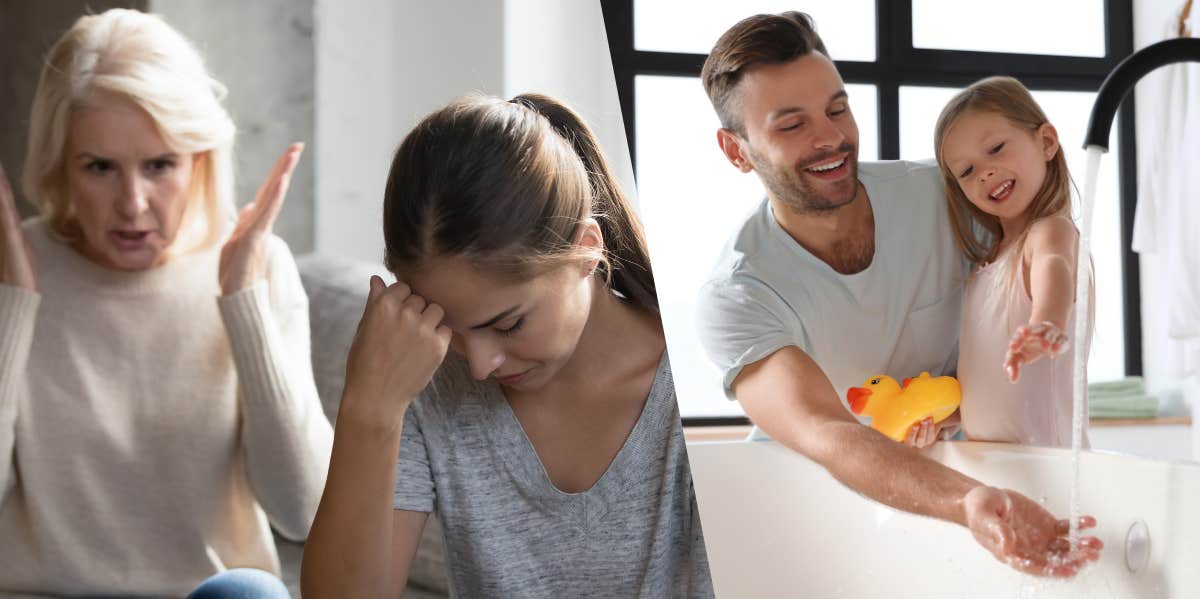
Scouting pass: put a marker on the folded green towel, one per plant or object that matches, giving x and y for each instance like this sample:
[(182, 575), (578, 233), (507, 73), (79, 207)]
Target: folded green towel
[(1143, 406), (1103, 414), (1132, 385), (1122, 400)]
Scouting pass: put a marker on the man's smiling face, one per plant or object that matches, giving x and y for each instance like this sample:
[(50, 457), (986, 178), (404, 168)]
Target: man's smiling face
[(799, 134)]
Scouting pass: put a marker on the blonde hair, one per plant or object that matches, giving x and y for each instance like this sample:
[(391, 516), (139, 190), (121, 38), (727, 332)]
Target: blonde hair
[(140, 58), (1010, 99)]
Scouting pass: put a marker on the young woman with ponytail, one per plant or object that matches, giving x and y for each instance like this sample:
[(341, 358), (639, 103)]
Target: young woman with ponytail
[(548, 441)]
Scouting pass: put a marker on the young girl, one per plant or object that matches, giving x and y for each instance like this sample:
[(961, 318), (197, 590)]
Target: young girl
[(1008, 191), (549, 441)]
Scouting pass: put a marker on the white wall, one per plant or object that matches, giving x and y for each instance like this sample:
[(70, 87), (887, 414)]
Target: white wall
[(560, 48), (385, 64), (263, 52), (352, 77), (1150, 18), (380, 67)]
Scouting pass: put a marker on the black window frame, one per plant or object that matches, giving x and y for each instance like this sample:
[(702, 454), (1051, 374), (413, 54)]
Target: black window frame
[(897, 63)]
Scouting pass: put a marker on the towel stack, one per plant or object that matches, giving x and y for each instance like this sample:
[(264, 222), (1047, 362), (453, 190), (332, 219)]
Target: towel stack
[(1125, 398)]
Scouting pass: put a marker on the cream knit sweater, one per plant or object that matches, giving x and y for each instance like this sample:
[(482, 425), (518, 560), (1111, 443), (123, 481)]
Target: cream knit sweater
[(147, 423)]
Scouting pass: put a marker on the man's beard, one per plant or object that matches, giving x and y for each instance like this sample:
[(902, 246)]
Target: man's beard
[(794, 189)]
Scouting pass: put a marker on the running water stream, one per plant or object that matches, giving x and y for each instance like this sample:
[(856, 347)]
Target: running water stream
[(1082, 302), (1114, 88)]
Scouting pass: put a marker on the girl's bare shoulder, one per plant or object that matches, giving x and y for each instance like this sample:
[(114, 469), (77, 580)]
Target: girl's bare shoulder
[(1051, 233)]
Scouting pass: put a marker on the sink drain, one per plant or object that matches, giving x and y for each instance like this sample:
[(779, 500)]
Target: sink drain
[(1137, 546)]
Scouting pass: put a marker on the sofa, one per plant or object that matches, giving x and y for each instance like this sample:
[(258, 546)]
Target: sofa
[(337, 292)]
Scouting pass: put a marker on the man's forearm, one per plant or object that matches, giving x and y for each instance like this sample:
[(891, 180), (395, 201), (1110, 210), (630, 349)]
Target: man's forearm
[(881, 469), (790, 398)]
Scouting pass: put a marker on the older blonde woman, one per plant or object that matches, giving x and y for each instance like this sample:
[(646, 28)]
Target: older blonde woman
[(157, 407)]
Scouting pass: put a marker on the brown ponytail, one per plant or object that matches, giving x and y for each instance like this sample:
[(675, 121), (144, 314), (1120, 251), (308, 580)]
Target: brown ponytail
[(506, 185), (627, 266)]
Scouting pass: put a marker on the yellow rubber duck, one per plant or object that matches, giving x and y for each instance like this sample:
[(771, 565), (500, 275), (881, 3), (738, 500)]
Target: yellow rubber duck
[(894, 408)]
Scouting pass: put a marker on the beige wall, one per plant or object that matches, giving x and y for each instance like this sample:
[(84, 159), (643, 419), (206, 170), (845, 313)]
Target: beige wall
[(263, 52), (27, 30), (381, 67)]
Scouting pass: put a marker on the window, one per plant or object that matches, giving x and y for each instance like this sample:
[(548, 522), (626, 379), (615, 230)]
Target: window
[(656, 24), (918, 53), (957, 25)]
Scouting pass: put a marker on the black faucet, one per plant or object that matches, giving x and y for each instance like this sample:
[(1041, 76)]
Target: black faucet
[(1121, 80)]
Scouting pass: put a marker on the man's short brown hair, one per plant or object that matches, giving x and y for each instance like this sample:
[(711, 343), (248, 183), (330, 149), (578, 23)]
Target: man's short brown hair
[(761, 39)]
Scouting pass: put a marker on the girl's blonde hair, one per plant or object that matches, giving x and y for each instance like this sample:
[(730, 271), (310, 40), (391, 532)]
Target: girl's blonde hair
[(142, 59), (1008, 98)]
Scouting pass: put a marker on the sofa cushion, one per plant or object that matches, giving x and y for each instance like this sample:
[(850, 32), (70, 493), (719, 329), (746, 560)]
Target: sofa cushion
[(337, 292)]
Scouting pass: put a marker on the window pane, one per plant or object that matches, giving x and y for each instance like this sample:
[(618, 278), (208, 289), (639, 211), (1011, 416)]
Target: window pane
[(1062, 27), (691, 201), (919, 110), (847, 27), (1069, 112)]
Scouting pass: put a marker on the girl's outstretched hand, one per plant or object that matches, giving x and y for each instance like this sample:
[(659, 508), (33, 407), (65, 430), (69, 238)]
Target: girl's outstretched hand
[(16, 257), (400, 343), (244, 257), (1030, 343), (1021, 533)]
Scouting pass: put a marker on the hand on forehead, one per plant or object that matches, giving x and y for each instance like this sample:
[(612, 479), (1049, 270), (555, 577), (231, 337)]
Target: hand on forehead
[(469, 296)]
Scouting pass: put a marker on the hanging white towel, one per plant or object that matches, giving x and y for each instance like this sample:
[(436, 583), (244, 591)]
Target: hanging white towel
[(1167, 218)]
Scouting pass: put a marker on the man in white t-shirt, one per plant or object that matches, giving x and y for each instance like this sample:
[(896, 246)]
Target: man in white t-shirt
[(845, 271)]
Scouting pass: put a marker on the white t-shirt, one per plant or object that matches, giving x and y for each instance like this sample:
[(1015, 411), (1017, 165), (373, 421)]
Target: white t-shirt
[(899, 316)]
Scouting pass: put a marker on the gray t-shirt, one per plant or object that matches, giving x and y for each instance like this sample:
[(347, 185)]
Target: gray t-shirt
[(899, 316), (511, 533)]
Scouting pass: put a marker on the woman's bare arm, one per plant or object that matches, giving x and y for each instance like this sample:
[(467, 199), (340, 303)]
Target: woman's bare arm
[(359, 546)]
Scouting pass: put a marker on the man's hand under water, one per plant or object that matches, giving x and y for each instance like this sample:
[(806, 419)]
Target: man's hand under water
[(1022, 534)]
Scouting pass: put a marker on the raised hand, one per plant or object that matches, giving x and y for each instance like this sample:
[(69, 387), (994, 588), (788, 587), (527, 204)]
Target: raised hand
[(1022, 534), (16, 256), (399, 344), (1031, 343), (244, 257)]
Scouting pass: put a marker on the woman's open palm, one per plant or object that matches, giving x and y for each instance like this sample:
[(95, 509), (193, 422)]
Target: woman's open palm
[(16, 256), (244, 257)]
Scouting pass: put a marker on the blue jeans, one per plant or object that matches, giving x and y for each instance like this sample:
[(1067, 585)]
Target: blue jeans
[(241, 583)]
